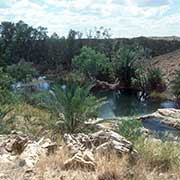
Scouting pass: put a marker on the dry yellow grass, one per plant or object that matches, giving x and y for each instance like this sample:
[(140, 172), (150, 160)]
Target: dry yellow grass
[(109, 166), (31, 120), (154, 161)]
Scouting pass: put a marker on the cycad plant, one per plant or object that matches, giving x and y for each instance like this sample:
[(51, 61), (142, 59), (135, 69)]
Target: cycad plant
[(73, 104)]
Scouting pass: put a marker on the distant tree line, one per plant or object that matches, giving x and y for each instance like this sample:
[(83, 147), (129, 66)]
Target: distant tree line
[(21, 42)]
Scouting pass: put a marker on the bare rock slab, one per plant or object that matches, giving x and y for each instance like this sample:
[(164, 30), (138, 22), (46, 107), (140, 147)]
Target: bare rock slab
[(83, 147), (168, 116)]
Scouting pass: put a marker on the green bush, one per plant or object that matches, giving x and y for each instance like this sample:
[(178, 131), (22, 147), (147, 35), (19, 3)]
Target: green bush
[(23, 71), (176, 84), (149, 80), (5, 124), (125, 63), (93, 64), (6, 81), (129, 128), (155, 80), (73, 105)]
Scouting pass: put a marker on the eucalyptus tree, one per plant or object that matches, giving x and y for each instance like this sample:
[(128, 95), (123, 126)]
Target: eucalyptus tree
[(93, 64)]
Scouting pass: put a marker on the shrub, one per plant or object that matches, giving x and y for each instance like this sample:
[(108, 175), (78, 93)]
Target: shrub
[(6, 81), (5, 124), (23, 71), (176, 84), (93, 64), (155, 80), (164, 156), (140, 79), (73, 105), (154, 95), (149, 80), (129, 128), (125, 63)]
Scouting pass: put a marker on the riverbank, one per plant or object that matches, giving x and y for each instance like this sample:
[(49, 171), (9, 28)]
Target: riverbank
[(168, 116)]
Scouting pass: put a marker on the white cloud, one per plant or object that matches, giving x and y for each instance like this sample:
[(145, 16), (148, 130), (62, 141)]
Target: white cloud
[(125, 17)]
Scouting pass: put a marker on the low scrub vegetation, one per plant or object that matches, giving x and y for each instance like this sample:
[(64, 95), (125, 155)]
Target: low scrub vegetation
[(6, 123), (6, 93), (22, 72), (93, 64), (130, 128), (162, 156), (73, 104), (112, 167), (176, 84)]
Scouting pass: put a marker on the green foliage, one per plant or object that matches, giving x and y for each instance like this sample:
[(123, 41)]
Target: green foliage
[(5, 124), (176, 84), (149, 80), (129, 128), (92, 63), (6, 81), (155, 80), (140, 80), (125, 64), (73, 105), (158, 96), (23, 71), (75, 76)]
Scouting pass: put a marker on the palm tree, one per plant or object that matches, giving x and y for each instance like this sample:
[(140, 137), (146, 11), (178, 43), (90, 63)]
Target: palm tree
[(125, 63), (74, 104)]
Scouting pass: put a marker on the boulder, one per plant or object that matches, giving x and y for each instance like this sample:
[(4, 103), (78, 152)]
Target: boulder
[(83, 147), (20, 149)]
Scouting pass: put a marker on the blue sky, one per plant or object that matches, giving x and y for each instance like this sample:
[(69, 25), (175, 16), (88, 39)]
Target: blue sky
[(126, 18)]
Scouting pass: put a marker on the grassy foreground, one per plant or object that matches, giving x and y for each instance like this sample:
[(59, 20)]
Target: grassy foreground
[(154, 160)]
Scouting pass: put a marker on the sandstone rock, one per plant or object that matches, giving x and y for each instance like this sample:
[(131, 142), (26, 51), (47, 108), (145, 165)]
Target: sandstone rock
[(22, 150), (168, 116), (31, 154), (82, 147), (104, 148), (16, 144), (83, 161), (81, 142), (48, 145)]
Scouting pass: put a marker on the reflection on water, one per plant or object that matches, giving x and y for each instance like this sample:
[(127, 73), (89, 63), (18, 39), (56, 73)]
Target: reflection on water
[(129, 104), (120, 104)]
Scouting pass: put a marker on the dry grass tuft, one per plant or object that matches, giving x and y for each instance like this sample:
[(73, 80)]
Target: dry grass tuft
[(111, 166), (160, 156)]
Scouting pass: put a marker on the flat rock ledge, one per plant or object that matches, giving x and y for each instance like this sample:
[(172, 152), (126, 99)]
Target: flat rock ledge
[(168, 116), (83, 147)]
